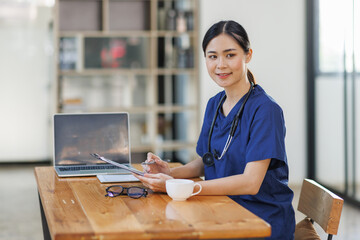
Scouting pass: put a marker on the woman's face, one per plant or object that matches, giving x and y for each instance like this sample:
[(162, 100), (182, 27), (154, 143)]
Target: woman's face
[(226, 61)]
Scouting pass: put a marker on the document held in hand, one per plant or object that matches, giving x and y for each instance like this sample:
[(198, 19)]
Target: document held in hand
[(133, 170)]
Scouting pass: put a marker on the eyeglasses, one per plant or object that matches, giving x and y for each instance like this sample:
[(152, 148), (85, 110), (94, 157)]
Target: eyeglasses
[(133, 192)]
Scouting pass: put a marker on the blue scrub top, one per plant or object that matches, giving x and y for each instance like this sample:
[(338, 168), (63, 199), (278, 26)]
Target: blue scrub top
[(260, 135)]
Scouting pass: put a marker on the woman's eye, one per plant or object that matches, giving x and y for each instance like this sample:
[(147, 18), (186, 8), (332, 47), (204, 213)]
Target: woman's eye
[(230, 55), (212, 57)]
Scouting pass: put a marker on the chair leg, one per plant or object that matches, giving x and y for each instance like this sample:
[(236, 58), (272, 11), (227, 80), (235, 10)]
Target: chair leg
[(330, 236)]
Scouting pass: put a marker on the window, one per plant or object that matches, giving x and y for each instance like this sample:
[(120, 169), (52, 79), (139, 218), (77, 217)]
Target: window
[(334, 94)]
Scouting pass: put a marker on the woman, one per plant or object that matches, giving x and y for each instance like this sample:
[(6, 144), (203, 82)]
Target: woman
[(241, 145)]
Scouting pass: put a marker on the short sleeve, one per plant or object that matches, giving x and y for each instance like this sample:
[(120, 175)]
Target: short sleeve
[(267, 135), (201, 147)]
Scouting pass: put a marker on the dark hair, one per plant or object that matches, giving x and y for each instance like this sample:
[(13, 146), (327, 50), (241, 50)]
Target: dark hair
[(234, 30)]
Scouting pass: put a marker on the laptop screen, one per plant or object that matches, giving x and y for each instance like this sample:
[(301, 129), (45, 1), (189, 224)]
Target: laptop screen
[(78, 135)]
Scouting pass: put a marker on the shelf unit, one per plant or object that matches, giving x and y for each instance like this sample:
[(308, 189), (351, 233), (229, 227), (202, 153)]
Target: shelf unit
[(136, 56)]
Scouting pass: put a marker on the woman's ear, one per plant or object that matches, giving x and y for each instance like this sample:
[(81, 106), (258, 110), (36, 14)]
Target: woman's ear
[(249, 56)]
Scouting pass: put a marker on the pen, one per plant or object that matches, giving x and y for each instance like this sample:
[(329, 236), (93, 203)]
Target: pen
[(148, 163), (153, 162)]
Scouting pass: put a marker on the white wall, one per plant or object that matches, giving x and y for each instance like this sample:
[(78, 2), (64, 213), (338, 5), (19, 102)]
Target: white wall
[(276, 30), (24, 82)]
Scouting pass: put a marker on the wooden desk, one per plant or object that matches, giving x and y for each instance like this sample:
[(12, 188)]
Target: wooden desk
[(76, 208)]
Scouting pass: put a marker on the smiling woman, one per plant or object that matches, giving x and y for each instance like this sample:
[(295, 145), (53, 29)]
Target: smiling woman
[(227, 57), (226, 63), (241, 146)]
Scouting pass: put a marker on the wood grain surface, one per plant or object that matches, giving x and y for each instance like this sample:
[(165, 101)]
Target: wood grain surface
[(321, 205), (76, 208)]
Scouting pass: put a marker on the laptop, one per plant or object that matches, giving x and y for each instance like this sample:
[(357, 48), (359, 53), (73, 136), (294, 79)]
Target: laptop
[(77, 135)]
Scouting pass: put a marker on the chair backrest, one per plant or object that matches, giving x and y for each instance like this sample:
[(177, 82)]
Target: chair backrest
[(321, 205)]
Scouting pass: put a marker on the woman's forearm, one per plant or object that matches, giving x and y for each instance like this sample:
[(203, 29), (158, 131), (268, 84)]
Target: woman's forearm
[(192, 169), (247, 183), (233, 185)]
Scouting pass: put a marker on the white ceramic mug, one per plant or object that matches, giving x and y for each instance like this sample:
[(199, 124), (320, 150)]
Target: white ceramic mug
[(181, 189)]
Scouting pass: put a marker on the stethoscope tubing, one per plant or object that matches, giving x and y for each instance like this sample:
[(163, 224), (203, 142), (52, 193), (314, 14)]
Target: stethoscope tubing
[(232, 128)]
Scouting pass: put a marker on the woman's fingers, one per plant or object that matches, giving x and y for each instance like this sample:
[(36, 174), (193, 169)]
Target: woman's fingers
[(146, 168), (160, 166), (152, 157), (155, 182), (154, 176), (161, 163)]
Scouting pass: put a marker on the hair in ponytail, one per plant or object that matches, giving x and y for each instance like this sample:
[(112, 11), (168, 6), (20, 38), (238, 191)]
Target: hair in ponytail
[(251, 77)]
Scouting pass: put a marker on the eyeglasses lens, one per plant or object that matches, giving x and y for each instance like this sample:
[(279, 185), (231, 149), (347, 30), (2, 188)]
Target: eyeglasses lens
[(115, 191), (135, 192)]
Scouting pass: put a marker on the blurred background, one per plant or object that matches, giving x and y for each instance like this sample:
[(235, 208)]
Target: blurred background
[(145, 57)]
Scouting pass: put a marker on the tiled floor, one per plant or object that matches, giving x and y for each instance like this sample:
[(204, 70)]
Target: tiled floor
[(19, 204), (20, 212)]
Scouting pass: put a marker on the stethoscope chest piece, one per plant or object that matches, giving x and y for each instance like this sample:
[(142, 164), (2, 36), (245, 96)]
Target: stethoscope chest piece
[(208, 159)]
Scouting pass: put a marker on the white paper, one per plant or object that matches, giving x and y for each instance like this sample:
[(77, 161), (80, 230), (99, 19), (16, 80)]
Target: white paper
[(107, 178)]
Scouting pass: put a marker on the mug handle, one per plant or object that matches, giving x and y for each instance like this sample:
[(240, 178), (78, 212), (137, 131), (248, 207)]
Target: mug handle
[(197, 191)]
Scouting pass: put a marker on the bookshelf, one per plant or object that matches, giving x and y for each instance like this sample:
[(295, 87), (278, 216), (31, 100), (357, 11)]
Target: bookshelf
[(136, 56)]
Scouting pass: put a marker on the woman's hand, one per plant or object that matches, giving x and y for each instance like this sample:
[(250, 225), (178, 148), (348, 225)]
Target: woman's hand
[(160, 166), (156, 182)]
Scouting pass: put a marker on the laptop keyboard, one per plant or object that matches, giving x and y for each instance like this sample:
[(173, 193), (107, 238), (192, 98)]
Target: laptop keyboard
[(77, 168)]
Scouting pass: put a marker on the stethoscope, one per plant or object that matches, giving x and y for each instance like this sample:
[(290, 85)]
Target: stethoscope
[(208, 158)]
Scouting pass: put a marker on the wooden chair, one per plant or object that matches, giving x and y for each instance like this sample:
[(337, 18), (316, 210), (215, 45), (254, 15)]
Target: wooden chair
[(321, 206)]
